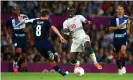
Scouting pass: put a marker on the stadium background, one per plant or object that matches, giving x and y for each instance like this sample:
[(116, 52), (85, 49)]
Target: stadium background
[(100, 38)]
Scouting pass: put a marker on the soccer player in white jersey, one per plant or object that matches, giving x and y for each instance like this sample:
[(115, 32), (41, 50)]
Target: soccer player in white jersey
[(73, 26)]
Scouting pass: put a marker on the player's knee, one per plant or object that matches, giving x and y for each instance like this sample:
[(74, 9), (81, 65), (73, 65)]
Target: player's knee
[(87, 44)]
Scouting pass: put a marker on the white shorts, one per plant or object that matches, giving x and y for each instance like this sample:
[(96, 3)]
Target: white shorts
[(78, 43)]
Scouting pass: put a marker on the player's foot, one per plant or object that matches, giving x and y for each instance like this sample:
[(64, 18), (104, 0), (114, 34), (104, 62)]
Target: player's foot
[(124, 70), (98, 66), (77, 64), (66, 73), (15, 68), (120, 71)]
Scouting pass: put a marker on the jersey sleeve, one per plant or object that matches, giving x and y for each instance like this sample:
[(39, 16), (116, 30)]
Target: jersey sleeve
[(112, 22), (65, 25), (30, 20), (82, 18), (8, 23), (25, 17)]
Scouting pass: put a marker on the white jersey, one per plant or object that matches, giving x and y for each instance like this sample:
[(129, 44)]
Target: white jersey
[(74, 25)]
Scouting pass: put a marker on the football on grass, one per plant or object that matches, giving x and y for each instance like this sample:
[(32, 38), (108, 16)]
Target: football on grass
[(79, 71)]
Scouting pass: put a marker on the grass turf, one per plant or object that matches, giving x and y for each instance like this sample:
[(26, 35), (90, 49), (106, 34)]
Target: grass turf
[(71, 76)]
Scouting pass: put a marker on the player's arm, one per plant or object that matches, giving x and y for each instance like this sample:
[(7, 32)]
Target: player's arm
[(26, 20), (112, 26), (129, 27), (65, 29), (84, 20), (58, 33)]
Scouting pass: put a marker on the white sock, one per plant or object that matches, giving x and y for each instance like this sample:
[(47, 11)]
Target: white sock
[(78, 63), (15, 62), (93, 57)]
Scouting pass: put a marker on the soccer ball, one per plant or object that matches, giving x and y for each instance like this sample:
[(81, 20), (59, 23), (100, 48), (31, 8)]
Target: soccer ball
[(79, 71)]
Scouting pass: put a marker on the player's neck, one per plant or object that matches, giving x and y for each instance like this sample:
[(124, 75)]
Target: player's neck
[(43, 18), (119, 15), (15, 16)]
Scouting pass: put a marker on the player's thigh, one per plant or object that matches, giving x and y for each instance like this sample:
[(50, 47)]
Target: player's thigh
[(123, 49), (24, 46), (17, 46), (76, 45), (43, 52), (117, 43), (76, 48)]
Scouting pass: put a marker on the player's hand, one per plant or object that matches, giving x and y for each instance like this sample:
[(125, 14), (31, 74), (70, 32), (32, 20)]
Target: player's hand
[(89, 22), (21, 19), (120, 26), (62, 40)]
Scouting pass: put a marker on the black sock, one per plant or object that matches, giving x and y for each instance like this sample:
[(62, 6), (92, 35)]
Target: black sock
[(123, 62), (16, 57), (56, 68), (119, 63)]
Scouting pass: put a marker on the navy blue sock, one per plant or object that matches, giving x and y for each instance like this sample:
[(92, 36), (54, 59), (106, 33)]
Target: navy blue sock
[(123, 62), (16, 57), (118, 62), (56, 68)]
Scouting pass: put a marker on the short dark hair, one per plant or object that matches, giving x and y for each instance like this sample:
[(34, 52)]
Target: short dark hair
[(13, 7), (70, 8), (120, 6), (44, 12)]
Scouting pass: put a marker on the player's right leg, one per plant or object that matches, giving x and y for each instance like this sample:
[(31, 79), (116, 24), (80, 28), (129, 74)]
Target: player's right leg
[(18, 51), (74, 59), (76, 49)]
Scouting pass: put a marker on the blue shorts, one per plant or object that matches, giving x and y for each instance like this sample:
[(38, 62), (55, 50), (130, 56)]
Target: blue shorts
[(21, 43), (118, 42), (46, 49)]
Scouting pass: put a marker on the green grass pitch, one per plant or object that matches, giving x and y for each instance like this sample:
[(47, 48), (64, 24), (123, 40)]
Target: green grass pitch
[(71, 76)]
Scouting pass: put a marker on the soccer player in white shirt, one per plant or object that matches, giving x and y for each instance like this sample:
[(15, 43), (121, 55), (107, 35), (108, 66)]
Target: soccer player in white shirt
[(73, 26)]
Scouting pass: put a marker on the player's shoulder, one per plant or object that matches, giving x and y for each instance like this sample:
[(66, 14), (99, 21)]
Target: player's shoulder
[(113, 17), (23, 15), (79, 16), (65, 21), (126, 16), (9, 19)]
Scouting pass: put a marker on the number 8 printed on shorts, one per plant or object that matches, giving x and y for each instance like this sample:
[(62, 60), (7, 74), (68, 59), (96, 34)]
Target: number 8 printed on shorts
[(38, 30)]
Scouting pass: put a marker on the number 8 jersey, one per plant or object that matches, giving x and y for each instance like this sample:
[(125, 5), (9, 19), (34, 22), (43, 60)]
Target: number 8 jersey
[(41, 32), (74, 25)]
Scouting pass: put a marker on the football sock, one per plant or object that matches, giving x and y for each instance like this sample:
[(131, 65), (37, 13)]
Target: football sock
[(16, 57), (119, 63), (92, 55), (56, 68), (123, 62)]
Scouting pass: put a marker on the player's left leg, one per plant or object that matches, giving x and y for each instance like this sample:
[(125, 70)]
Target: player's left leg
[(86, 43), (91, 53), (123, 57)]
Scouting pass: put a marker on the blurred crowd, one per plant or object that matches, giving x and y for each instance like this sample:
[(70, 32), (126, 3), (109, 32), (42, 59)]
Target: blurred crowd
[(96, 8), (100, 38)]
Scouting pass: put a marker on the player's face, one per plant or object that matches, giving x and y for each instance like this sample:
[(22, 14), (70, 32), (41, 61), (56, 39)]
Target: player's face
[(120, 10), (16, 10), (71, 13)]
